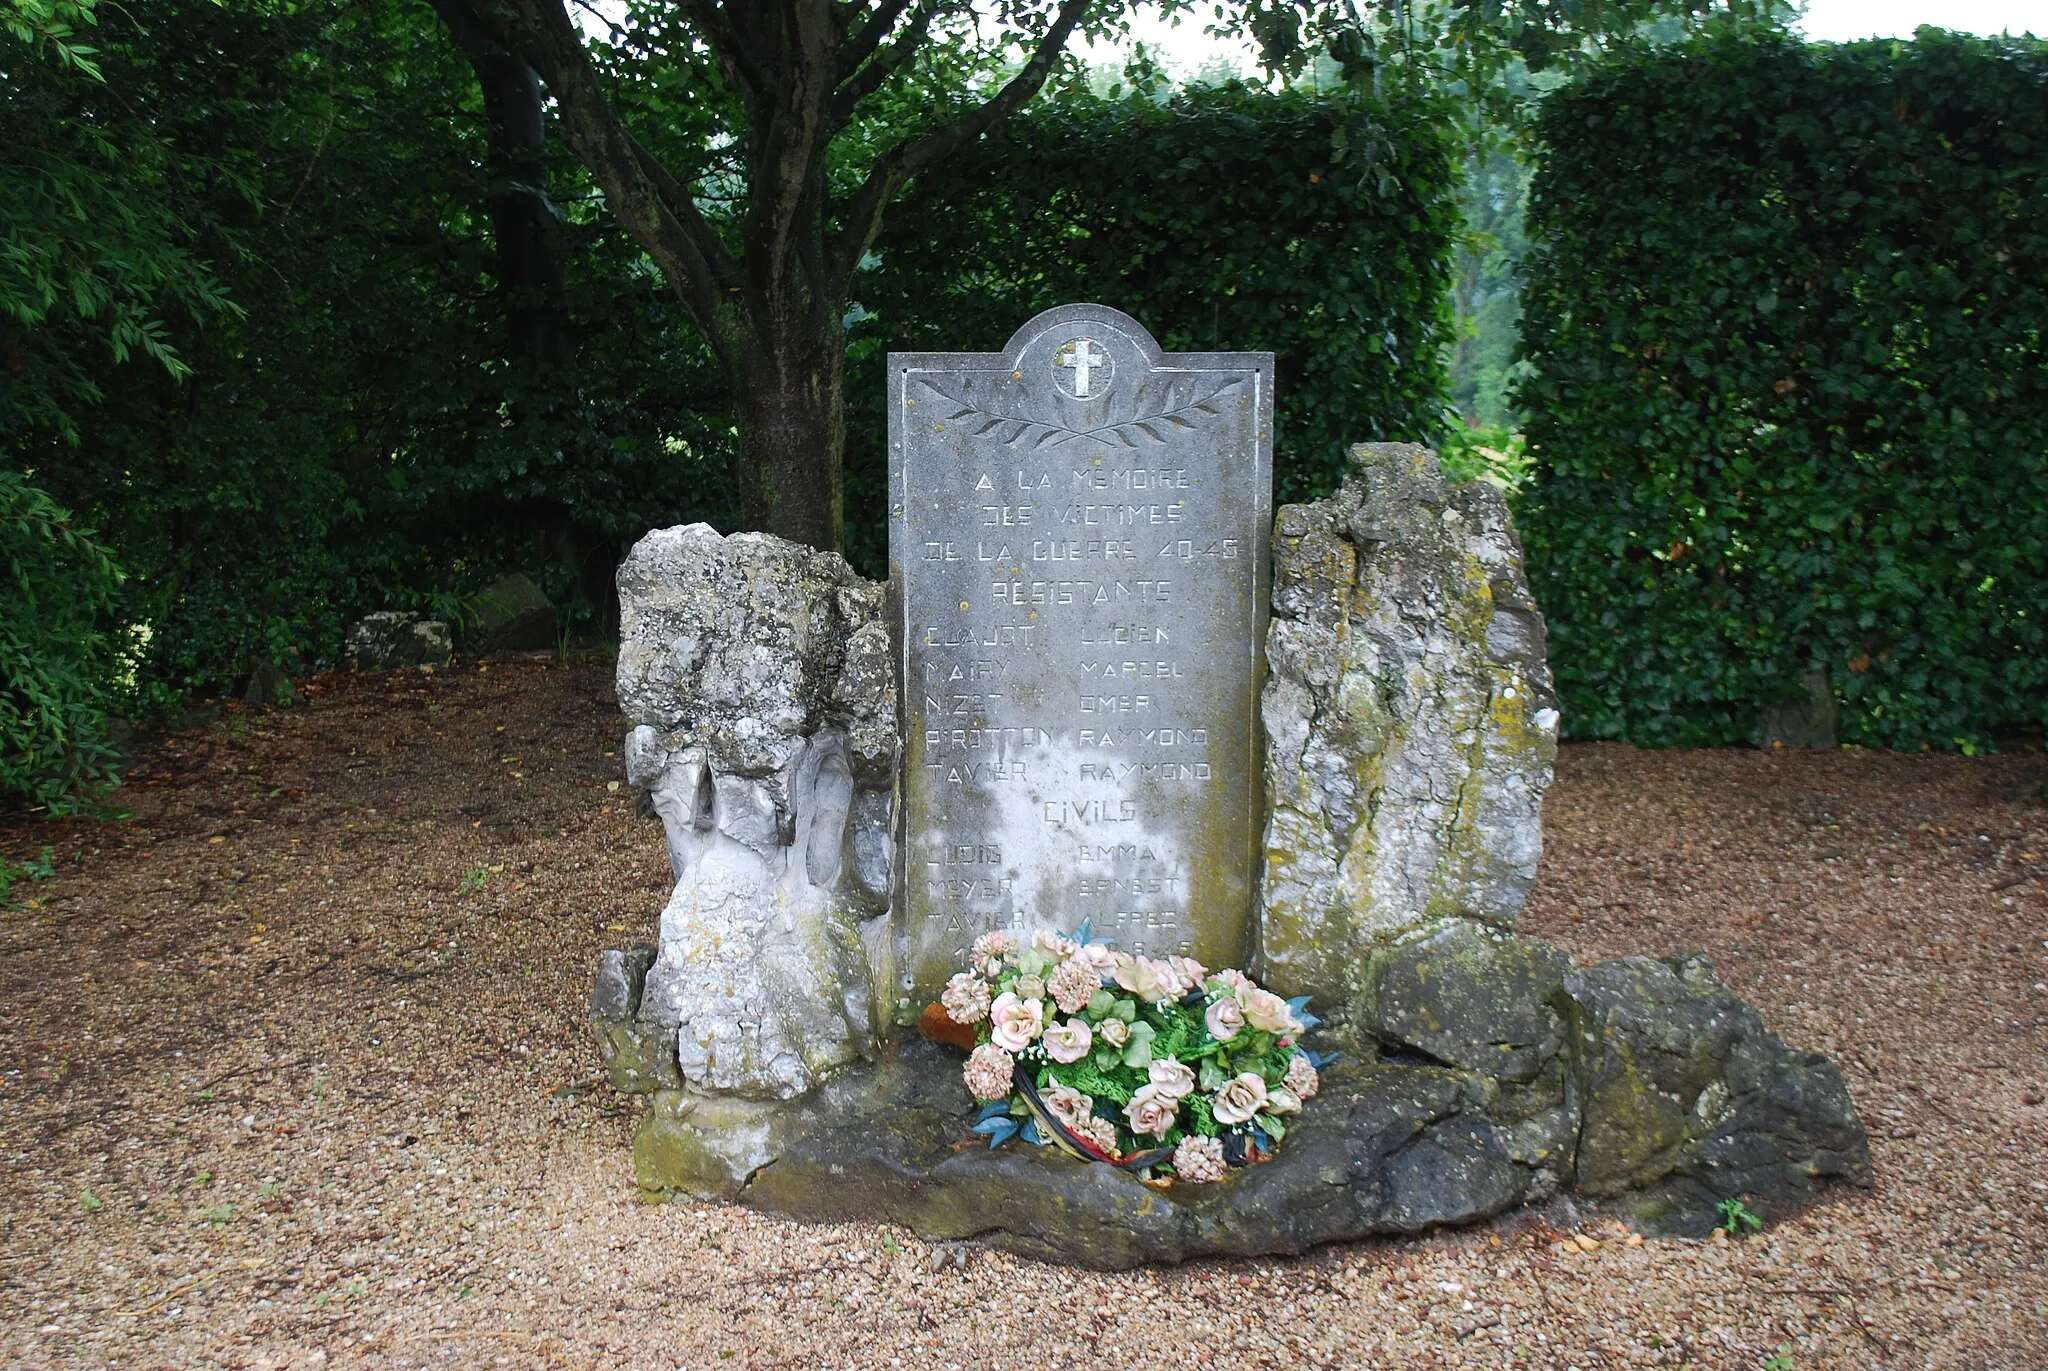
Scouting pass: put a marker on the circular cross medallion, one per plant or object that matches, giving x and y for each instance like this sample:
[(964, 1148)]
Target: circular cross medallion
[(1082, 369)]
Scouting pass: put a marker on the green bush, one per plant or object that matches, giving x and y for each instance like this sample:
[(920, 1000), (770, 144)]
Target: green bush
[(1315, 227), (57, 662), (1788, 318), (352, 435)]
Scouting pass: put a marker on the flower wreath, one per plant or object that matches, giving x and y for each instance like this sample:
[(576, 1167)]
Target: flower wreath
[(1139, 1062)]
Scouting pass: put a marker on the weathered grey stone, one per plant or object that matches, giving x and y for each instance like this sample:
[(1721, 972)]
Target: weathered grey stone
[(1077, 529), (1805, 721), (638, 1058), (1474, 998), (394, 639), (1411, 739), (269, 684), (748, 645), (512, 614), (1689, 1100), (1387, 1146), (765, 739), (1410, 721), (1384, 1149), (615, 993)]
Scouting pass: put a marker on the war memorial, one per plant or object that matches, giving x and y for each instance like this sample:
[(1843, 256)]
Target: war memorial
[(1119, 742)]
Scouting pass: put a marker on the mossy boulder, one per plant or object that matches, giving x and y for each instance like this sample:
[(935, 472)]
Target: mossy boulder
[(1643, 1083), (1689, 1100), (511, 614)]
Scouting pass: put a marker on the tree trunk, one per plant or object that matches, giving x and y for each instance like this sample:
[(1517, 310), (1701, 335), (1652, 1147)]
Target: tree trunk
[(523, 226), (526, 238), (801, 70), (789, 401)]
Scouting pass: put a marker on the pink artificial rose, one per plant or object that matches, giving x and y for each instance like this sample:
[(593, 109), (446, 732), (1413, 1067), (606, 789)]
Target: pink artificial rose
[(1281, 1100), (1149, 980), (1302, 1077), (988, 1072), (1173, 1079), (1267, 1011), (1189, 970), (1225, 1019), (1068, 1042), (1234, 981), (1114, 1031), (1151, 1112), (1015, 1024), (1100, 959), (1240, 1098), (1056, 945), (1068, 1105)]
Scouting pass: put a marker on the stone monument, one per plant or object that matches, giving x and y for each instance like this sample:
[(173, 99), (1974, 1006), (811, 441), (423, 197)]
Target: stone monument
[(1078, 530), (1104, 684)]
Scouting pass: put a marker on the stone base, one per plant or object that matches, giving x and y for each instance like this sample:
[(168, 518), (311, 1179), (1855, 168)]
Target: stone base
[(1660, 1092)]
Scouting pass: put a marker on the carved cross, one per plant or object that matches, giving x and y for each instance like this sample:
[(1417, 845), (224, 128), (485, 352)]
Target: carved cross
[(1083, 358)]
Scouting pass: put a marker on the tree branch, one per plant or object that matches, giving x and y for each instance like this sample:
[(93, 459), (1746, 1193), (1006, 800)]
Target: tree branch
[(857, 48), (655, 209), (863, 215), (860, 82), (726, 44)]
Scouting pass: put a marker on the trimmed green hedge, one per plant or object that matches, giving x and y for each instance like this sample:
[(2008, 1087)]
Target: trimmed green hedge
[(1316, 227), (1788, 310)]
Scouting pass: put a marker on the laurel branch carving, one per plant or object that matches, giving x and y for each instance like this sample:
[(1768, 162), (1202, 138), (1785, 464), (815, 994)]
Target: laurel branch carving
[(1155, 408)]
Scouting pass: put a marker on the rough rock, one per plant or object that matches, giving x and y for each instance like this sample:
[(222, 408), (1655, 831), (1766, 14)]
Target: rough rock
[(269, 684), (1685, 1101), (757, 675), (1808, 720), (394, 639), (1411, 727), (1471, 998), (1411, 737), (511, 614), (1688, 1099), (636, 1061)]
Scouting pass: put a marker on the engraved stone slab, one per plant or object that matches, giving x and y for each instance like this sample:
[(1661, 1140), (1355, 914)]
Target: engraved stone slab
[(1079, 536)]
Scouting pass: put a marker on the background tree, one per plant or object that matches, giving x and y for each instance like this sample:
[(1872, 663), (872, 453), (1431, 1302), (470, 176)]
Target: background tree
[(768, 283), (808, 180)]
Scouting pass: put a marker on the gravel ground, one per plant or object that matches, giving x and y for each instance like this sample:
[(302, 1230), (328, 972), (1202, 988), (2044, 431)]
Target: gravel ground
[(293, 1072)]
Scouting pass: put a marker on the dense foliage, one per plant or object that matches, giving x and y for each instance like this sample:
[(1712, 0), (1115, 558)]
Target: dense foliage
[(1315, 227), (357, 431), (1791, 339), (57, 659)]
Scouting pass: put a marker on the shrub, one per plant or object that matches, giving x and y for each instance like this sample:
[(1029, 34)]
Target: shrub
[(57, 662), (1787, 315), (1317, 227)]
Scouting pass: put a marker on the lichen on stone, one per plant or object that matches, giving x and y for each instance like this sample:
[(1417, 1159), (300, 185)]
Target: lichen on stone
[(757, 675), (1411, 726)]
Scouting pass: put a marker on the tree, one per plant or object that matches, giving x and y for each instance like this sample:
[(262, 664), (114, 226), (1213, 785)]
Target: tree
[(818, 153), (86, 236), (768, 284)]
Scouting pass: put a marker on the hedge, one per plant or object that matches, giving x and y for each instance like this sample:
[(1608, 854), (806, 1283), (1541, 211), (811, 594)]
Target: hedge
[(1315, 227), (1787, 316)]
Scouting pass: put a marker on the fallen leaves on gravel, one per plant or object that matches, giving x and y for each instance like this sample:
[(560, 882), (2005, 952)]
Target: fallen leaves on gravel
[(274, 978)]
